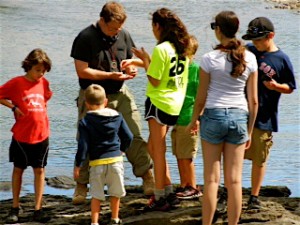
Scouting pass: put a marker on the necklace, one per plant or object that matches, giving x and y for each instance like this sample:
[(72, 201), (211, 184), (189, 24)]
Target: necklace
[(113, 63)]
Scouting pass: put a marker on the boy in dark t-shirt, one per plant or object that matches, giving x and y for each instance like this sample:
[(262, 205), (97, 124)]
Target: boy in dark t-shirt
[(275, 76)]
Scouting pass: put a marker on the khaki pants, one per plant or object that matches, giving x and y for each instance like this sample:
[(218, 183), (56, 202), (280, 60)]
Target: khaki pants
[(137, 154)]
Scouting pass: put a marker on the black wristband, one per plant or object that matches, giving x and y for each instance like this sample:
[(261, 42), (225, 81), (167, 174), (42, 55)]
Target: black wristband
[(14, 108)]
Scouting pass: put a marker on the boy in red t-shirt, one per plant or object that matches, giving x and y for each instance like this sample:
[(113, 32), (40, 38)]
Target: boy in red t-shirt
[(27, 97)]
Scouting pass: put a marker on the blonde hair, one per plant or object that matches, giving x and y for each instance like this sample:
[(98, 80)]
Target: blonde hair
[(95, 94), (194, 45)]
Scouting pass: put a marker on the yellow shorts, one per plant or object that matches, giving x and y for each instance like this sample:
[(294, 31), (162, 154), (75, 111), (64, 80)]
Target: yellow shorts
[(184, 145), (261, 144)]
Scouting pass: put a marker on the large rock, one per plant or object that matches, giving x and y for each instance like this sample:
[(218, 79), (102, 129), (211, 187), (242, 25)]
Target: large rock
[(64, 182)]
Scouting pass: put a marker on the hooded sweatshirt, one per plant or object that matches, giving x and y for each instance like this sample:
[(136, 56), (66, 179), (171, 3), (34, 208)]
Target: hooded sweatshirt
[(104, 135)]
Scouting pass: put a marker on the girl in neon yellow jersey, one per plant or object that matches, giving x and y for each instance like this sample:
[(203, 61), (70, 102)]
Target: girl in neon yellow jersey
[(167, 73)]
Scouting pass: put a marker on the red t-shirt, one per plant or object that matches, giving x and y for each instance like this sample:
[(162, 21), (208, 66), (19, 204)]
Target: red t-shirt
[(31, 99)]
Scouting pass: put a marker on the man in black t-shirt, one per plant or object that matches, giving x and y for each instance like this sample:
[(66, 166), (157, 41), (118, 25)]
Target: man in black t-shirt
[(98, 51)]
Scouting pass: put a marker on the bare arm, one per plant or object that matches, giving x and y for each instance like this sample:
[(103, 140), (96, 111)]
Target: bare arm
[(8, 104), (129, 66), (200, 98), (132, 62), (153, 81), (85, 72), (144, 57), (143, 60), (282, 88), (252, 103)]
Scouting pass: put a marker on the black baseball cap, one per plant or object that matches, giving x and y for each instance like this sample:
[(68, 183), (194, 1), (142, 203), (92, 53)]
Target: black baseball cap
[(258, 28)]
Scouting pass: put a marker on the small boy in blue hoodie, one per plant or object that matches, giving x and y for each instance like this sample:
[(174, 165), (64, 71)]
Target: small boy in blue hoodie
[(103, 135)]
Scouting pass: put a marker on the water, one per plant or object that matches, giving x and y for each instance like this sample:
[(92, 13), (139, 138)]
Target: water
[(52, 26)]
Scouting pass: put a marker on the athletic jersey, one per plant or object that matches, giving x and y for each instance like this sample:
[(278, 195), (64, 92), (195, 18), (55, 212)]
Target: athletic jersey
[(172, 73), (186, 112), (226, 91), (30, 98), (277, 66), (98, 50)]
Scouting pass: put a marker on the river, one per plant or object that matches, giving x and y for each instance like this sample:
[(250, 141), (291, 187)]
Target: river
[(53, 25)]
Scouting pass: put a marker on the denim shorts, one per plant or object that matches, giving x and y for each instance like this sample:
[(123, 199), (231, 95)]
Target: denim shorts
[(224, 125)]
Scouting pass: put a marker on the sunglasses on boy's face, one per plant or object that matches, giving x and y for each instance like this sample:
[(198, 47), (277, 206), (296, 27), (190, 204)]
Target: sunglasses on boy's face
[(255, 31), (213, 25)]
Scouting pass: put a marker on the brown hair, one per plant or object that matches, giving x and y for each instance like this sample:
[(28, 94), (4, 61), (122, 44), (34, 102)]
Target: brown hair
[(173, 30), (194, 45), (36, 56), (95, 94), (113, 11), (228, 23)]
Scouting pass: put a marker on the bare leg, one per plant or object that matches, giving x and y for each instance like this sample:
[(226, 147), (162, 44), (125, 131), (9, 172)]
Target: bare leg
[(39, 181), (182, 172), (211, 161), (257, 177), (95, 210), (16, 185), (187, 172), (114, 206), (168, 176), (157, 150), (233, 163)]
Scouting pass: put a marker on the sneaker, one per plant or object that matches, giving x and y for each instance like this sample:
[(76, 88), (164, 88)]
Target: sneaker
[(148, 183), (80, 194), (40, 216), (173, 200), (13, 215), (115, 222), (160, 205), (189, 193), (179, 189), (253, 203), (222, 202)]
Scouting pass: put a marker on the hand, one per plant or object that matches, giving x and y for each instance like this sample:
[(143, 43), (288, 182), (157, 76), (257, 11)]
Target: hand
[(131, 71), (195, 128), (141, 54), (248, 144), (76, 172), (271, 85), (192, 127), (125, 63), (120, 76), (128, 66)]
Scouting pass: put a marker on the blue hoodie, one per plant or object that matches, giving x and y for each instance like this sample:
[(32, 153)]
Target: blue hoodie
[(102, 134)]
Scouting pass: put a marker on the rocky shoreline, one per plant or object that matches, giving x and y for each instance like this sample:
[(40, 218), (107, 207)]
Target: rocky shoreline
[(285, 4), (278, 209)]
